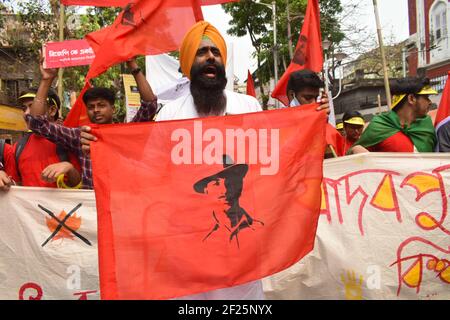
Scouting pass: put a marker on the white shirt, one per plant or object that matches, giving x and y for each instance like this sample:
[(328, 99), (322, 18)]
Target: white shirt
[(184, 108)]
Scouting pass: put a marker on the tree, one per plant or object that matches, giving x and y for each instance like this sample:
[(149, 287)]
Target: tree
[(38, 19), (249, 17)]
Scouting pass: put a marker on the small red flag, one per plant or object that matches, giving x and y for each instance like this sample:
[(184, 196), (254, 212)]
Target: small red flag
[(175, 219), (77, 116), (308, 53), (336, 140), (443, 112), (142, 28), (250, 85)]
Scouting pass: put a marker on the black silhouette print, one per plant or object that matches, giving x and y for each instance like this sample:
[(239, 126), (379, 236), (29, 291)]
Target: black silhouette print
[(226, 186)]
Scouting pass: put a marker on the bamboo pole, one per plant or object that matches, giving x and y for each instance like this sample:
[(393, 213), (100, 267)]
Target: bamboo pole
[(61, 71), (291, 53), (383, 55)]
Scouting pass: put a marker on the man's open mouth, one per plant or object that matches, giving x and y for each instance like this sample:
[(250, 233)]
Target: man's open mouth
[(210, 71)]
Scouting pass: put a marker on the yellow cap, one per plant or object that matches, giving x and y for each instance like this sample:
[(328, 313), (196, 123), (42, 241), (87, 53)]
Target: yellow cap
[(428, 90), (399, 97), (27, 95), (33, 95), (340, 126), (355, 120)]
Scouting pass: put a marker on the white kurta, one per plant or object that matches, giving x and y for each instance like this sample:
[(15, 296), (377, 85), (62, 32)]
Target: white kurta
[(184, 108)]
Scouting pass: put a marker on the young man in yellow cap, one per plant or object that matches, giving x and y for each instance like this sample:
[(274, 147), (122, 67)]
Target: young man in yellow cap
[(407, 127), (353, 126), (35, 161)]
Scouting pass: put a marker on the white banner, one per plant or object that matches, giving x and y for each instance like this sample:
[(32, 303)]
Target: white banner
[(48, 244), (383, 233)]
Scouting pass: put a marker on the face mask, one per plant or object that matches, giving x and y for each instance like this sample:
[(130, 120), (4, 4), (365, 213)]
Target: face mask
[(294, 102)]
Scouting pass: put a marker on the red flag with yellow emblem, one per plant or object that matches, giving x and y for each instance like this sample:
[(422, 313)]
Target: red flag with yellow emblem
[(190, 206)]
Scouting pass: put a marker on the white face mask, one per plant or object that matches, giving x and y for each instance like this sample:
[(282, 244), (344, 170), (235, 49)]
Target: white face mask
[(294, 102)]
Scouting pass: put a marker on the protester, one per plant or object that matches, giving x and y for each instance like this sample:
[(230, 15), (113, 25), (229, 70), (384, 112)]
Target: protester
[(407, 127), (203, 56), (35, 161), (304, 87), (353, 124), (100, 109)]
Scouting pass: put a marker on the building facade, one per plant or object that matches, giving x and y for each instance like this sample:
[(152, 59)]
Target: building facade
[(428, 47)]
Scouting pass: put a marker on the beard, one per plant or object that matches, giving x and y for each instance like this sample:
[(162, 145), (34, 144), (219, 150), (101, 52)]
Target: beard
[(209, 98)]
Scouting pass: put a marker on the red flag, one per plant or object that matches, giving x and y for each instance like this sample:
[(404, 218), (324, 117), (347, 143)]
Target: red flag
[(308, 53), (77, 116), (97, 3), (250, 85), (443, 112), (123, 3), (336, 140), (143, 28), (174, 220)]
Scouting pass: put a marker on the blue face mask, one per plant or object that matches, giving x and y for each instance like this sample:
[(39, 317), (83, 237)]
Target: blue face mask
[(294, 102)]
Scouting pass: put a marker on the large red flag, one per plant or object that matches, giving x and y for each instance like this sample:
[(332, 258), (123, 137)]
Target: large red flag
[(97, 3), (250, 85), (308, 53), (77, 115), (143, 28), (175, 219), (123, 3), (443, 112)]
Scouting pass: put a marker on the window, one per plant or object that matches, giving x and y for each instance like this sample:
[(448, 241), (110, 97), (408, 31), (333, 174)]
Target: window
[(439, 20)]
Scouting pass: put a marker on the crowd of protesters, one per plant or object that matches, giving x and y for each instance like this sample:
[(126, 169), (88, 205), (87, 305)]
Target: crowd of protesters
[(53, 155)]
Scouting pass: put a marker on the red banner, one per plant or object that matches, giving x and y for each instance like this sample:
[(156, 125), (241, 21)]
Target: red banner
[(68, 53), (194, 205)]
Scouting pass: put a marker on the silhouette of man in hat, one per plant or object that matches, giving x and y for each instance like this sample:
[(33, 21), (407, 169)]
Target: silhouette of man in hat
[(227, 186)]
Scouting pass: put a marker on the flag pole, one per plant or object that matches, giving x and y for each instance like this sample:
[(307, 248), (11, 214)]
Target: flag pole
[(383, 56), (61, 71), (291, 53)]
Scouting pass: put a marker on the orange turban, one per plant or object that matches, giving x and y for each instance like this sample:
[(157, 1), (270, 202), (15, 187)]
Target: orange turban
[(192, 40)]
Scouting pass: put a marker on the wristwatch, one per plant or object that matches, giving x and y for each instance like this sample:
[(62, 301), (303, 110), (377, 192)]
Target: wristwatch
[(135, 71)]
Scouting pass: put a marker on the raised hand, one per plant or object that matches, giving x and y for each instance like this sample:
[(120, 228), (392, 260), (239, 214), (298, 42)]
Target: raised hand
[(47, 74)]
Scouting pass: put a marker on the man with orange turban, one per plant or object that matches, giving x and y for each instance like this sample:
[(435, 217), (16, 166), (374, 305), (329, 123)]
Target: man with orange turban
[(203, 56)]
